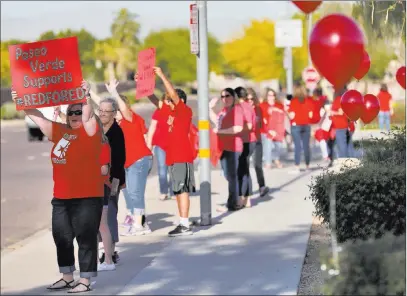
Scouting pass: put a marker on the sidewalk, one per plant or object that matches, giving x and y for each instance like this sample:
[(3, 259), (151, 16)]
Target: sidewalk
[(254, 251)]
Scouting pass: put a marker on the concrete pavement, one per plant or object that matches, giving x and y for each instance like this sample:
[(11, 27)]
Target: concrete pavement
[(254, 251)]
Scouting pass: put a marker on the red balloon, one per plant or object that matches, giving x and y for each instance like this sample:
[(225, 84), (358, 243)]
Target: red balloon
[(401, 76), (371, 108), (336, 46), (363, 67), (307, 6), (352, 104)]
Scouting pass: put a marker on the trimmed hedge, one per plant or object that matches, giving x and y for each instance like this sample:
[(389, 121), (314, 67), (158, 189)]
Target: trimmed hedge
[(370, 200), (374, 267)]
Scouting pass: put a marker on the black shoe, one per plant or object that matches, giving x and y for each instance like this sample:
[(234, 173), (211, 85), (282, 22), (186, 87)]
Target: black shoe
[(180, 230), (235, 208), (115, 258)]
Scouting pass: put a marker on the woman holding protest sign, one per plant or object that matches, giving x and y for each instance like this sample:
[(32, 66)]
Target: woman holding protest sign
[(78, 190), (138, 161)]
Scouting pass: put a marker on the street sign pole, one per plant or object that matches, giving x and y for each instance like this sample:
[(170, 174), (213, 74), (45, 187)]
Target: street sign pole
[(308, 35), (289, 69), (203, 115)]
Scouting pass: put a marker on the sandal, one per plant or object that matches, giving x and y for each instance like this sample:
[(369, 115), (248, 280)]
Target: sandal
[(88, 289), (67, 285)]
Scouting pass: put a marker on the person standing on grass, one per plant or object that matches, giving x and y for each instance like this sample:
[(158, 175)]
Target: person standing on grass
[(258, 151), (138, 162), (386, 108), (179, 151)]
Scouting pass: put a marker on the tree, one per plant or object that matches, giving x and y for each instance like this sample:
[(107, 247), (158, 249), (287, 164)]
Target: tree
[(174, 56)]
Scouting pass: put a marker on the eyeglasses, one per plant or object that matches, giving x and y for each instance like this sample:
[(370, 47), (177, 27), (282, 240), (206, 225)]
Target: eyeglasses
[(225, 96), (105, 111), (250, 98), (77, 112), (271, 95)]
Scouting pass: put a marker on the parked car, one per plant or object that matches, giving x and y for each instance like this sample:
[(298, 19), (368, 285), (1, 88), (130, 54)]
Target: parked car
[(33, 131)]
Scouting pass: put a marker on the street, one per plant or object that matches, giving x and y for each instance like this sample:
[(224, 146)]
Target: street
[(26, 179)]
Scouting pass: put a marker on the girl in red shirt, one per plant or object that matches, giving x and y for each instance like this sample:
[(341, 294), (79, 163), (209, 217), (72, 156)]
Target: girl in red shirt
[(300, 113), (138, 163), (229, 124), (78, 190), (258, 150), (386, 108)]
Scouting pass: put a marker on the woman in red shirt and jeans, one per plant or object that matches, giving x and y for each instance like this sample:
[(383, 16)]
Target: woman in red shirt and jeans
[(300, 113), (228, 125), (78, 190)]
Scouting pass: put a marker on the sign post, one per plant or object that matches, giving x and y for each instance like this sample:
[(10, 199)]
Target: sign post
[(203, 113), (193, 28), (288, 34)]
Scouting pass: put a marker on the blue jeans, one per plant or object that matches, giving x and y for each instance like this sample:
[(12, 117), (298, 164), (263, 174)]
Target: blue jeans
[(301, 135), (276, 150), (136, 180), (384, 119), (230, 162), (343, 140), (162, 170), (267, 148)]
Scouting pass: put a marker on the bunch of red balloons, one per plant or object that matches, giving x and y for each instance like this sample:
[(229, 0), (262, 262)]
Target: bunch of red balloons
[(356, 106)]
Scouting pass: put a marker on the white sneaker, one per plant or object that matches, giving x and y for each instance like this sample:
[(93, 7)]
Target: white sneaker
[(137, 230), (106, 267)]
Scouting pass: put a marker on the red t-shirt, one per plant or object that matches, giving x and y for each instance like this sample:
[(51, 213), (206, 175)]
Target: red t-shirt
[(264, 107), (258, 127), (160, 137), (384, 100), (194, 140), (247, 135), (317, 104), (136, 147), (233, 117), (301, 111), (76, 160), (179, 148), (339, 121)]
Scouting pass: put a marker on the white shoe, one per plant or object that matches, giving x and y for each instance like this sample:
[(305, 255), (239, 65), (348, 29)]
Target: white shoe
[(137, 230), (106, 267)]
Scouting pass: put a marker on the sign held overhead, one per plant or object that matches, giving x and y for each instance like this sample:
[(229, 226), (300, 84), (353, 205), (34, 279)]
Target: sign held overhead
[(288, 33)]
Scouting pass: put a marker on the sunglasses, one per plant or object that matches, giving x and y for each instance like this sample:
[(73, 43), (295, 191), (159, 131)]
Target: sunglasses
[(225, 96), (77, 112)]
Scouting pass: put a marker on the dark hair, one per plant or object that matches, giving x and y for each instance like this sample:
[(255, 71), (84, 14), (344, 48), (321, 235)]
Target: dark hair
[(299, 92), (230, 91), (241, 92), (383, 87), (318, 92), (250, 91), (340, 92), (181, 94)]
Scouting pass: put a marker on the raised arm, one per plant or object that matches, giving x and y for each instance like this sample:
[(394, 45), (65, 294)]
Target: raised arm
[(150, 134), (39, 119), (212, 115), (88, 116), (168, 86), (124, 106), (95, 97)]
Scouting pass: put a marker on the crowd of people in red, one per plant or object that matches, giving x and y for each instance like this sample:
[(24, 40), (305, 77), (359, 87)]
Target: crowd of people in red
[(95, 157)]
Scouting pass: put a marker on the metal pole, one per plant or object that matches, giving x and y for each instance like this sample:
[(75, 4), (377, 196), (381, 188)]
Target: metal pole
[(203, 115), (289, 69), (308, 35)]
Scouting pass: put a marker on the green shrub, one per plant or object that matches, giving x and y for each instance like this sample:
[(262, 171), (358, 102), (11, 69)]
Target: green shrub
[(374, 267), (370, 200), (390, 151), (8, 111)]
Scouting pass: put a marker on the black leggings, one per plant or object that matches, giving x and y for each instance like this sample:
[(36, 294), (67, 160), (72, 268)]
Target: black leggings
[(77, 218), (243, 170)]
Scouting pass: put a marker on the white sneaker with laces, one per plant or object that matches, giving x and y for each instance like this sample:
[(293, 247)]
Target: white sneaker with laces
[(106, 267), (139, 230)]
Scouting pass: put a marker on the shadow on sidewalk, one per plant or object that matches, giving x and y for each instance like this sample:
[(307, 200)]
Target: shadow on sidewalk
[(225, 263)]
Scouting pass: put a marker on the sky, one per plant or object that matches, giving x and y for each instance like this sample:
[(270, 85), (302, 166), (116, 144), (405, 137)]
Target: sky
[(28, 19)]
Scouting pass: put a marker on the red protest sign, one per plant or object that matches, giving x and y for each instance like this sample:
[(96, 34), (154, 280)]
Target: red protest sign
[(46, 73), (276, 123), (146, 78)]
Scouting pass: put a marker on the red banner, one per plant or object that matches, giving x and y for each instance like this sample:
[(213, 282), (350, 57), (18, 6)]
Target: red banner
[(146, 78), (215, 149), (46, 73)]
